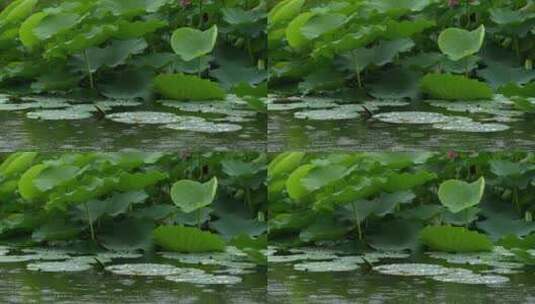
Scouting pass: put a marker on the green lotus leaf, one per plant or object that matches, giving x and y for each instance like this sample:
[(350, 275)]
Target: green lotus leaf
[(54, 176), (294, 186), (401, 6), (406, 181), (185, 87), (26, 34), (454, 239), (285, 163), (511, 90), (136, 29), (458, 43), (18, 10), (191, 195), (186, 239), (54, 24), (321, 176), (454, 87), (17, 163), (296, 39), (320, 24), (27, 189), (458, 195), (138, 181), (132, 8), (93, 36), (284, 11), (404, 29), (190, 43), (115, 54)]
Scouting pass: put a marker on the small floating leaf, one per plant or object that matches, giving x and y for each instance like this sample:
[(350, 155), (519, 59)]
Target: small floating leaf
[(412, 269), (67, 266), (144, 269), (326, 266), (144, 117), (412, 117)]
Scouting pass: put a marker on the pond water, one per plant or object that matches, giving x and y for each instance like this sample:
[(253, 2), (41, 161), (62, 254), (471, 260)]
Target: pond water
[(89, 134), (287, 132), (286, 285), (19, 285)]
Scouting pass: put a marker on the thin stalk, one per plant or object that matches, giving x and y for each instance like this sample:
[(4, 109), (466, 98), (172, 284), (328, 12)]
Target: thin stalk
[(88, 66), (199, 218), (199, 72), (357, 69), (357, 222), (466, 218), (515, 199), (517, 47), (200, 14), (248, 199), (90, 222)]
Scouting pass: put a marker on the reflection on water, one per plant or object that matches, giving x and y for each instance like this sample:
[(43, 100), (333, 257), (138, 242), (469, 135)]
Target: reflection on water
[(285, 285), (18, 285), (288, 133), (21, 133)]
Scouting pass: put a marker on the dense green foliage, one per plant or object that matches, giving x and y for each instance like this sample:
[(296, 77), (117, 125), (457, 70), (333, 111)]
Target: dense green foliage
[(403, 201), (134, 200), (384, 48), (117, 48)]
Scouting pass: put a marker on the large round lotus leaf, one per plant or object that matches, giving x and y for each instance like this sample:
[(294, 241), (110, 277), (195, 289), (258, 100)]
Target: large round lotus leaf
[(459, 43), (458, 195), (454, 239), (190, 43), (186, 87), (187, 239), (455, 87), (191, 195)]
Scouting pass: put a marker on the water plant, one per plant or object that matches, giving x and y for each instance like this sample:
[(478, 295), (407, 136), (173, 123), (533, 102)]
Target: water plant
[(135, 202), (130, 50), (413, 49)]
